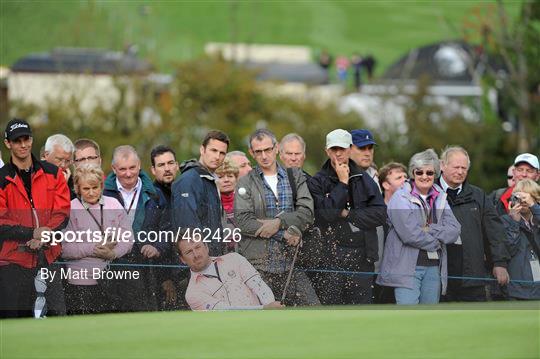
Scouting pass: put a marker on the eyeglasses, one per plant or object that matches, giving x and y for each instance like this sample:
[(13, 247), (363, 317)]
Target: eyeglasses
[(510, 177), (266, 150), (89, 158), (64, 161), (420, 173)]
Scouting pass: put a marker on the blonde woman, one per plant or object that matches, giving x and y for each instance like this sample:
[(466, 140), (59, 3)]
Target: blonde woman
[(102, 215), (523, 241), (228, 177)]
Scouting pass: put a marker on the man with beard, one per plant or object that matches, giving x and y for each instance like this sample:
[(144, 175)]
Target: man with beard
[(228, 282), (158, 218)]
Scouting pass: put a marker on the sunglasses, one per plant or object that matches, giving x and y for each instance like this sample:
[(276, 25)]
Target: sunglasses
[(421, 173), (510, 177)]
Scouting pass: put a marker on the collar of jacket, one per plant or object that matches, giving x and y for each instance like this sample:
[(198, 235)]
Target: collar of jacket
[(12, 169), (407, 193), (147, 185), (188, 164), (280, 171), (86, 205), (257, 181), (195, 164), (355, 171), (200, 275), (164, 188), (464, 196)]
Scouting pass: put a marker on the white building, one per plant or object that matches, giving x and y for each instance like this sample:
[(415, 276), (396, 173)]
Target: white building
[(87, 77)]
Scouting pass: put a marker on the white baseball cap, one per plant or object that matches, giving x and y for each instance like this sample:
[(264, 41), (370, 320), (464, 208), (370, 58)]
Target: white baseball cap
[(527, 158), (339, 138)]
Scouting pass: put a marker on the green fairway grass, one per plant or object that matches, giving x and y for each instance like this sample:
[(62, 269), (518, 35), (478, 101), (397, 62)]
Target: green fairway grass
[(492, 330), (167, 31)]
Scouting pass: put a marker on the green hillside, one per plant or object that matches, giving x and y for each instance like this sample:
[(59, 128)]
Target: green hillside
[(167, 31)]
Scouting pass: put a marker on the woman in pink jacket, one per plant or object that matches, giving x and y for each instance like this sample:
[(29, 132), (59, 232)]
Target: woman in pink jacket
[(98, 232)]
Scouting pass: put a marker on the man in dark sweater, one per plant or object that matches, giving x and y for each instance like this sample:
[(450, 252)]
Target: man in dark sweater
[(158, 218)]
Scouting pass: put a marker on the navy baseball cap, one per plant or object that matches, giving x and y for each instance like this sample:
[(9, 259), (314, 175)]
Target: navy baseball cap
[(17, 128), (362, 137)]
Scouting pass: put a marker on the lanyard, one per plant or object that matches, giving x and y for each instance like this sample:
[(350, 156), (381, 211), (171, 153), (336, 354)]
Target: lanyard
[(427, 211), (100, 225), (131, 204), (214, 276)]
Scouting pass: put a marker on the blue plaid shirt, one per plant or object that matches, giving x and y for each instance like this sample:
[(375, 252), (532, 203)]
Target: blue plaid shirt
[(275, 205)]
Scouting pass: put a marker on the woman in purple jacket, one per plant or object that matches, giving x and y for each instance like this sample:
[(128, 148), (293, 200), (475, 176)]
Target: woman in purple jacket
[(421, 224), (101, 215)]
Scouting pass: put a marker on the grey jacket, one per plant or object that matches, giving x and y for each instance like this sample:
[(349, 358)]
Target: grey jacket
[(407, 236), (250, 205)]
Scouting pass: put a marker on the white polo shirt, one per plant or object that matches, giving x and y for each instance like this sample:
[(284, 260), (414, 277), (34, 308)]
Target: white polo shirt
[(229, 282)]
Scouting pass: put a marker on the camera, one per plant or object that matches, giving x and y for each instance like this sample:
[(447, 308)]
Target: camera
[(515, 199)]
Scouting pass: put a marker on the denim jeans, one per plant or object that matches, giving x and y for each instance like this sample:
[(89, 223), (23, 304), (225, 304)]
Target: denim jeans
[(426, 287)]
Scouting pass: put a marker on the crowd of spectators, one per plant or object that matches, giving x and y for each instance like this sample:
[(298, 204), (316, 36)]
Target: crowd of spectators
[(219, 232)]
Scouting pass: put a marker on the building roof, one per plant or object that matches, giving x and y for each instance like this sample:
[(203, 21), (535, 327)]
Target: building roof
[(448, 62), (307, 73), (82, 61)]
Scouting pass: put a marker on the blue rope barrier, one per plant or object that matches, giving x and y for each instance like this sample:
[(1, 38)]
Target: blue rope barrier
[(319, 270)]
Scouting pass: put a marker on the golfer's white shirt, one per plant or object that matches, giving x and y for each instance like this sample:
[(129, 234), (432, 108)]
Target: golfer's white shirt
[(229, 282)]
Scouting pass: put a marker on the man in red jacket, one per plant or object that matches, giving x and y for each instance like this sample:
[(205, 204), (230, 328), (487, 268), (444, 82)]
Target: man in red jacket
[(34, 198)]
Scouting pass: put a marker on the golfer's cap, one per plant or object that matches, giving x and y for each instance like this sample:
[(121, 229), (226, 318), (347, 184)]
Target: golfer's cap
[(338, 138), (527, 158), (17, 128)]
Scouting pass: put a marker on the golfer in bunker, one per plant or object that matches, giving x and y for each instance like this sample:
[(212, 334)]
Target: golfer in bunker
[(228, 282)]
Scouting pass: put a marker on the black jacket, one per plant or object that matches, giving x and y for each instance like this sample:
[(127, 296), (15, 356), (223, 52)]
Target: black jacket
[(158, 218), (361, 196), (482, 232)]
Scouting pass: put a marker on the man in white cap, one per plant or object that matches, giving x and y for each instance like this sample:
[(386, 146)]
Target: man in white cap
[(348, 209), (526, 166)]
